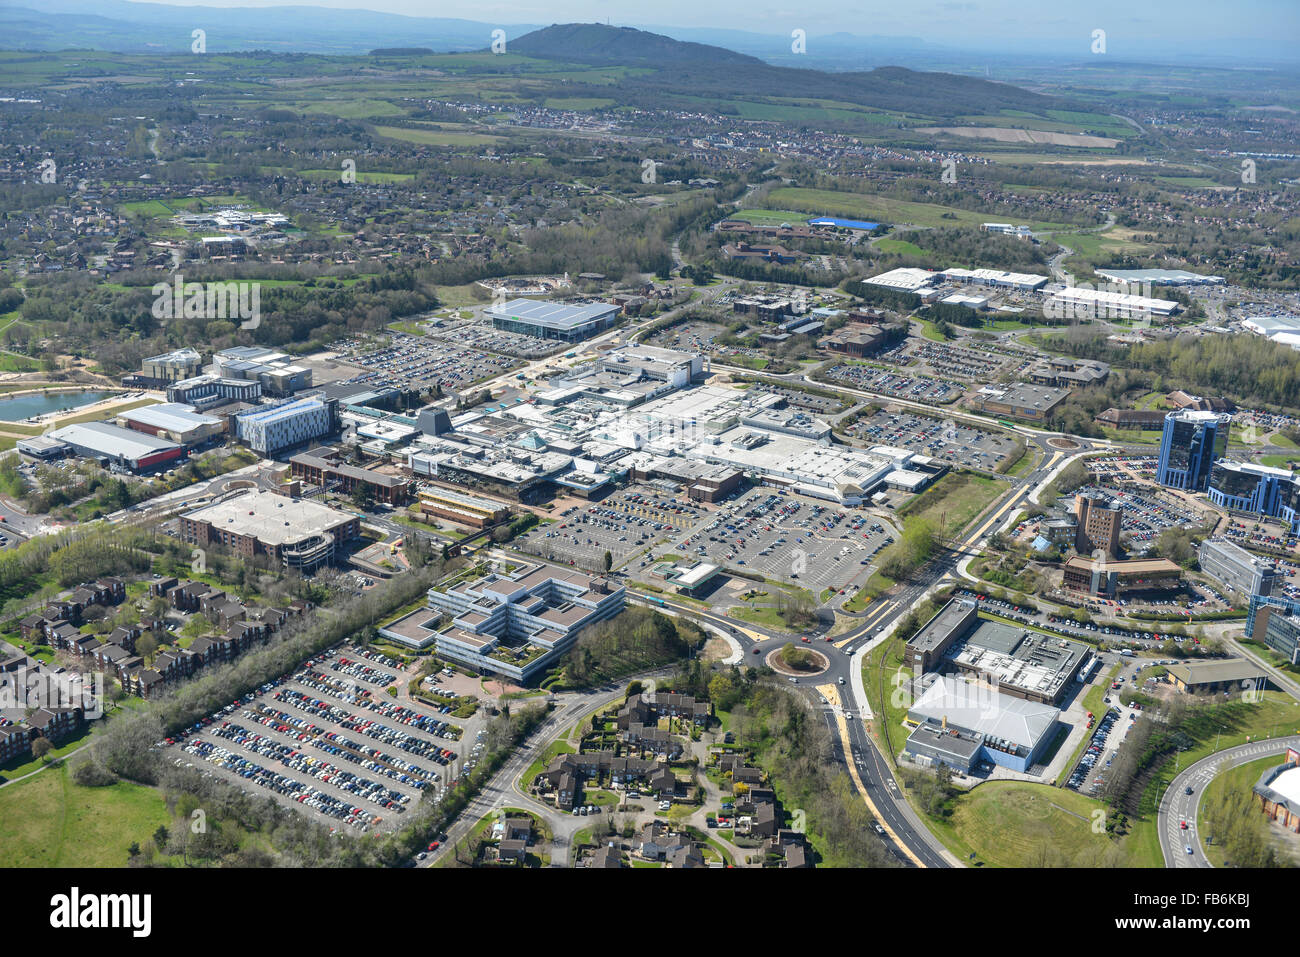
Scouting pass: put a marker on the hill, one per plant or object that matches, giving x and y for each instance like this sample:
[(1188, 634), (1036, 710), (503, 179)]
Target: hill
[(685, 73), (598, 43)]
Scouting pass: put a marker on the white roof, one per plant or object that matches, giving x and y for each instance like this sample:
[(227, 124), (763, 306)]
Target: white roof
[(979, 707), (1287, 784), (174, 416), (273, 519), (905, 277)]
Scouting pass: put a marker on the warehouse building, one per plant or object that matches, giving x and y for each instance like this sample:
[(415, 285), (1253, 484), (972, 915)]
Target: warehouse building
[(117, 447), (905, 279), (1237, 569), (553, 320), (1160, 277), (1211, 677), (1075, 302), (42, 447), (1035, 403), (962, 723), (1025, 282), (174, 421), (292, 533), (269, 430), (1024, 663)]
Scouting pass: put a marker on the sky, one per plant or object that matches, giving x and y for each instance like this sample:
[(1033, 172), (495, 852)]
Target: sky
[(1199, 25)]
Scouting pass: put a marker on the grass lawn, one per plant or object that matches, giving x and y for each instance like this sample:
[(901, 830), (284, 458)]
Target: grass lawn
[(555, 749), (105, 412), (1132, 436), (931, 331), (1238, 780), (48, 821), (1276, 715), (1019, 824), (900, 247), (880, 209), (1023, 464), (891, 709), (954, 500), (10, 772)]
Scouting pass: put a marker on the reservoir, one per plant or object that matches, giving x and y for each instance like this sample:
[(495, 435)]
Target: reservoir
[(39, 403)]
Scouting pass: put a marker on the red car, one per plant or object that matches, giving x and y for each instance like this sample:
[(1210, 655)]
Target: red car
[(1183, 825), (804, 639), (433, 845), (757, 650)]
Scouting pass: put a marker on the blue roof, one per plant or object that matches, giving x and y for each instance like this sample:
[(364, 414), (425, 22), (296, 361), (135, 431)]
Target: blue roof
[(1041, 544), (846, 223)]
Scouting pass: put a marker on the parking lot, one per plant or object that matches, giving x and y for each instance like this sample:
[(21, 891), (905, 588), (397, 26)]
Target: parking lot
[(479, 334), (799, 399), (953, 361), (917, 388), (1146, 514), (948, 440), (1107, 736), (420, 362), (788, 538), (1272, 538), (621, 524), (328, 738)]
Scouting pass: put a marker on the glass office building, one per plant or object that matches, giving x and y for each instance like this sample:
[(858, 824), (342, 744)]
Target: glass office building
[(1191, 443)]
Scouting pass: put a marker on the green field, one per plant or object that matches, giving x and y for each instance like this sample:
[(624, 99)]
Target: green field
[(1018, 824), (362, 177), (436, 137), (954, 500), (900, 247), (48, 821), (824, 202)]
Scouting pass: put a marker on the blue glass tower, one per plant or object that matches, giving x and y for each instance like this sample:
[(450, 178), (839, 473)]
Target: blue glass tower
[(1191, 443)]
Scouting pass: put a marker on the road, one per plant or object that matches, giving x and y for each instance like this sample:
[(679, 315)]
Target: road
[(500, 789), (1177, 806)]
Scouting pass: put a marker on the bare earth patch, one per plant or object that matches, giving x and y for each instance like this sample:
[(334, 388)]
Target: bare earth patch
[(1005, 135)]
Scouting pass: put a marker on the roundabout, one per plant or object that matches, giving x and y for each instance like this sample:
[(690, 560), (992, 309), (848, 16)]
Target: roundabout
[(818, 663), (1058, 442)]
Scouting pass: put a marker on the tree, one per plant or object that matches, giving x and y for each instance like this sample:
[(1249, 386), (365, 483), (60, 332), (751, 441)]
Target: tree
[(161, 836), (609, 560), (146, 646), (41, 747)]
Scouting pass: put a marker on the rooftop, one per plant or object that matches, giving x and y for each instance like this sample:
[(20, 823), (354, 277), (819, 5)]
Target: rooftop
[(272, 519), (553, 314)]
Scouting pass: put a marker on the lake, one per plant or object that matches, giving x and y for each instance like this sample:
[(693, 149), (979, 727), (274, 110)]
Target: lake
[(39, 403)]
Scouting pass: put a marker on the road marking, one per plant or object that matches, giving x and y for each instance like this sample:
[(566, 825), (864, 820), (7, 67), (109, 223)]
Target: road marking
[(857, 781), (831, 694), (871, 620)]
